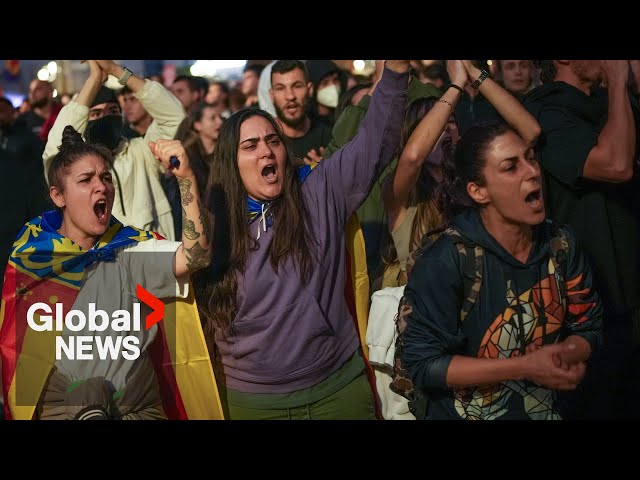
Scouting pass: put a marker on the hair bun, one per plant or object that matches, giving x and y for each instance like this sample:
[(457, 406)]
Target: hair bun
[(70, 137)]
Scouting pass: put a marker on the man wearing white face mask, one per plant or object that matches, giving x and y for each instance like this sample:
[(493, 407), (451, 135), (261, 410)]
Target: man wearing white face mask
[(329, 82)]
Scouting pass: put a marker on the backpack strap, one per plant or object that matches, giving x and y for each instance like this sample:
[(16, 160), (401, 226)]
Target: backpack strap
[(559, 254), (472, 263), (425, 242), (401, 382)]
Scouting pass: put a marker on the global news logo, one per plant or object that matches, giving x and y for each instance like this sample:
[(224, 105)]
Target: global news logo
[(41, 318)]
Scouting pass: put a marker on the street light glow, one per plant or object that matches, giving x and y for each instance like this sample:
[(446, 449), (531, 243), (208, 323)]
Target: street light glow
[(208, 68)]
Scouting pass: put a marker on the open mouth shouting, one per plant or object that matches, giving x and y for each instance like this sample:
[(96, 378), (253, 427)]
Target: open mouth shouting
[(101, 210), (534, 199), (270, 173)]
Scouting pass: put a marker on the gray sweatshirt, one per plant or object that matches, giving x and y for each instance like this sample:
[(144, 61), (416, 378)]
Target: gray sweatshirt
[(288, 336)]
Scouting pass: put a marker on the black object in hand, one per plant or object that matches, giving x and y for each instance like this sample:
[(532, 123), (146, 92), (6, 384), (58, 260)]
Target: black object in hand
[(175, 163)]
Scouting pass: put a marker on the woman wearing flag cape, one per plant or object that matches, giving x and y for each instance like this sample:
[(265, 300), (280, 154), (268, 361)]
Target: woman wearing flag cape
[(77, 259)]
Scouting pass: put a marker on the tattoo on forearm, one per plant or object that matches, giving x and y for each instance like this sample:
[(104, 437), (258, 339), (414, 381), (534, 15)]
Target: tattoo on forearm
[(185, 191), (189, 227), (197, 257), (189, 230), (205, 220)]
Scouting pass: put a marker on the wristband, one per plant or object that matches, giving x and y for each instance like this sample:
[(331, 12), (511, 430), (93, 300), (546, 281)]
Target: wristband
[(453, 85), (483, 74), (125, 76)]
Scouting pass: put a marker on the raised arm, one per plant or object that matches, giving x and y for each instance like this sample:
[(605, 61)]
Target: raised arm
[(420, 144), (509, 108), (611, 159), (351, 171), (111, 68), (377, 76), (165, 109), (76, 113), (90, 89), (195, 251)]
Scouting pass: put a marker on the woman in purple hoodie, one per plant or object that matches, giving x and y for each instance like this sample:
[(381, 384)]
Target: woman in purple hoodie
[(273, 300)]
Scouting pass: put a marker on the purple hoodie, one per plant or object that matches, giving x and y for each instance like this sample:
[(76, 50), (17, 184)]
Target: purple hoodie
[(288, 336)]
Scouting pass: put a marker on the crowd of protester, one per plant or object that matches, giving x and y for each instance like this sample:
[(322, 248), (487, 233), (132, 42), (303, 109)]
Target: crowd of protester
[(451, 240)]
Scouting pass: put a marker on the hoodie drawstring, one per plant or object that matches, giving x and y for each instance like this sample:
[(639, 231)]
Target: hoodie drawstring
[(262, 220)]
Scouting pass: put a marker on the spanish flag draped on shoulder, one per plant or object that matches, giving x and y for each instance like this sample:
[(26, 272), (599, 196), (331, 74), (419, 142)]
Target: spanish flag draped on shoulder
[(47, 268)]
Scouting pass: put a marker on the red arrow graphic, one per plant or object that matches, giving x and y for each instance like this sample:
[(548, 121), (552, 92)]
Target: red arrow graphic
[(155, 303)]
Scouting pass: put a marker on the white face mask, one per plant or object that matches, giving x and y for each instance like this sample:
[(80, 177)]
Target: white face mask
[(329, 96)]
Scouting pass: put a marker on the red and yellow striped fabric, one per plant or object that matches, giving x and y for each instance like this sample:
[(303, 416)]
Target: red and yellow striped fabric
[(357, 292)]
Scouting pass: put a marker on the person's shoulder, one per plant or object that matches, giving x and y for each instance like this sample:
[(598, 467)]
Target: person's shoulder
[(436, 254), (560, 236), (556, 95), (153, 245), (553, 227)]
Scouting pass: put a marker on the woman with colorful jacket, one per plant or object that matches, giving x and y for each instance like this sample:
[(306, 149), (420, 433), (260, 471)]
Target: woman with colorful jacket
[(501, 312)]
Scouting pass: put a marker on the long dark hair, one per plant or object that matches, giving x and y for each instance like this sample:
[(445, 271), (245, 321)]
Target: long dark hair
[(226, 199), (72, 149), (199, 159), (464, 164), (427, 214), (190, 137)]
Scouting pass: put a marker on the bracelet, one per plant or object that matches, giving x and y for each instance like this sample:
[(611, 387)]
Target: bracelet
[(483, 74), (447, 102), (453, 85), (125, 76)]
